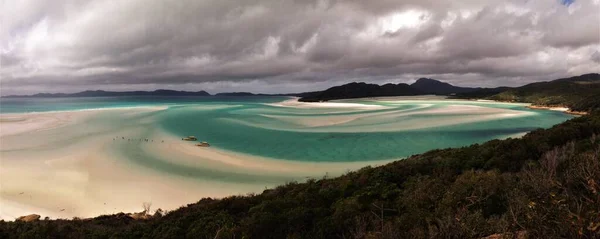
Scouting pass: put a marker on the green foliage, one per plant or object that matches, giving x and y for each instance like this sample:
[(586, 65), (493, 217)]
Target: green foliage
[(360, 90), (544, 185), (580, 93)]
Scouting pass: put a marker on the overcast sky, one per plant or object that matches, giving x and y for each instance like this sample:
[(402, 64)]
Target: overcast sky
[(276, 46)]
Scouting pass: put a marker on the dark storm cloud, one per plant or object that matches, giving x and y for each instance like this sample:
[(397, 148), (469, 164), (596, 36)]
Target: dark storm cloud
[(68, 45)]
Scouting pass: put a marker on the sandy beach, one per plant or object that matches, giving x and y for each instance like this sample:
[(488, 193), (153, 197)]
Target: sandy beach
[(293, 102), (45, 171), (553, 108), (23, 123), (74, 164), (561, 109)]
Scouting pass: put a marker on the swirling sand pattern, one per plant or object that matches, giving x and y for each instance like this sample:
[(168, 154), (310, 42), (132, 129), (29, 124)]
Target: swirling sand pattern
[(90, 162)]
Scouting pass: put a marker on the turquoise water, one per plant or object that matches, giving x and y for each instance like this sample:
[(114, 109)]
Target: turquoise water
[(252, 125), (26, 105)]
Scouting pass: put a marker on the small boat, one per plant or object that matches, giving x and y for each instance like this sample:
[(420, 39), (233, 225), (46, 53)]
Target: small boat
[(190, 138), (203, 144)]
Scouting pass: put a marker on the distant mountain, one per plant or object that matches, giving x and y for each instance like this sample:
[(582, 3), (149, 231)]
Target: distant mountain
[(236, 94), (480, 93), (435, 87), (261, 94), (360, 90), (579, 93), (101, 93), (423, 86)]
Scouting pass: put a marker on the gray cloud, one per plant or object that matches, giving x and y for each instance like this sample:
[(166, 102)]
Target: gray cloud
[(67, 45)]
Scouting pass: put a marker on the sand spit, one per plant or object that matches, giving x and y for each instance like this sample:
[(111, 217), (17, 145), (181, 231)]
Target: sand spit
[(535, 107), (557, 108), (330, 104)]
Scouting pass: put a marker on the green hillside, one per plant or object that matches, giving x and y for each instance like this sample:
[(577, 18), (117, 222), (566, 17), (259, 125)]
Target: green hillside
[(544, 185), (580, 93), (360, 90)]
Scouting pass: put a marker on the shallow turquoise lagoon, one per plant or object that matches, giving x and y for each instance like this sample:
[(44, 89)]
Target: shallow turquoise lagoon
[(350, 130)]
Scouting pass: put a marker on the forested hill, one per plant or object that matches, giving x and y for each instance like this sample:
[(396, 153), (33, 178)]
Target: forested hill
[(435, 87), (544, 185), (423, 86), (361, 90), (579, 93)]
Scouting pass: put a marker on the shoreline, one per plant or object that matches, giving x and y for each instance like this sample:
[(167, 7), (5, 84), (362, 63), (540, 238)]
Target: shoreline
[(560, 108), (293, 102), (563, 109), (84, 179), (155, 107), (82, 183)]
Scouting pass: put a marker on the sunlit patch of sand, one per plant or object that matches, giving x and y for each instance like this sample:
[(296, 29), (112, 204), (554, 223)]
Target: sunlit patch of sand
[(22, 123)]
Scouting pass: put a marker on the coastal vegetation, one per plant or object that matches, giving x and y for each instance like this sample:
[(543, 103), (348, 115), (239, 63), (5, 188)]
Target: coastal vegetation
[(435, 87), (360, 90), (423, 86), (579, 93), (543, 185)]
